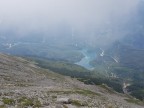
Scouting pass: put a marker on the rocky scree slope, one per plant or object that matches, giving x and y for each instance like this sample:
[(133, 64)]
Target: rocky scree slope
[(24, 85)]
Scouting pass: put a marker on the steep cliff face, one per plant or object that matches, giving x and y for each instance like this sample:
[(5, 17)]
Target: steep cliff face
[(24, 84)]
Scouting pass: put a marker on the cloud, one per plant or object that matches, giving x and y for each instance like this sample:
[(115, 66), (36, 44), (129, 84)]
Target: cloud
[(84, 16)]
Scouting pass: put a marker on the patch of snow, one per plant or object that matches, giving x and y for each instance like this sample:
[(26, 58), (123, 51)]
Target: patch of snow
[(9, 45), (125, 85), (115, 59), (102, 54)]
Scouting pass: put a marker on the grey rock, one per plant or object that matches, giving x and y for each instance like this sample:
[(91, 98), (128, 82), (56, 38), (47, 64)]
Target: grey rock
[(1, 103), (59, 106), (64, 100)]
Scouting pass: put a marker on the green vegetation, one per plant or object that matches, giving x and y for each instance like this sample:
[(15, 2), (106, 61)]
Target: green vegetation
[(110, 90), (78, 103), (87, 92), (2, 106), (62, 52), (113, 83), (37, 104), (81, 91), (129, 69), (8, 101), (123, 70), (24, 101), (135, 101), (62, 67), (82, 74), (137, 90)]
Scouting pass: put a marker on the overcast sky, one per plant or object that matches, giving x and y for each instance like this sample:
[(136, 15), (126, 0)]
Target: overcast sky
[(81, 15)]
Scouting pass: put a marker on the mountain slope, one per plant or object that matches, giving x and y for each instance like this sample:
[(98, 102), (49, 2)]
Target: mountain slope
[(124, 61), (23, 84)]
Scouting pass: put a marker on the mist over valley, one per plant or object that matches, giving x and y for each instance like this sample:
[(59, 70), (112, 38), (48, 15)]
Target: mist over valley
[(90, 43)]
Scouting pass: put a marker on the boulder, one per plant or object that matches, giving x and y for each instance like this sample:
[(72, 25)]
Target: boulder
[(64, 100)]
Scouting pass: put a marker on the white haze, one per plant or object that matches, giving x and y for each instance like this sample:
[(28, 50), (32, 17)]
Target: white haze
[(86, 18)]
